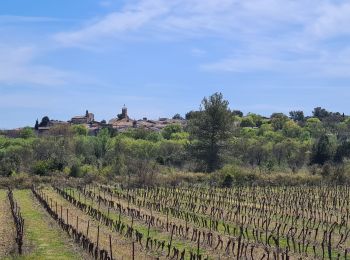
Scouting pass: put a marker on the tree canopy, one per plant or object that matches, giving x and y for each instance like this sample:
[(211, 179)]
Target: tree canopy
[(210, 128), (211, 139)]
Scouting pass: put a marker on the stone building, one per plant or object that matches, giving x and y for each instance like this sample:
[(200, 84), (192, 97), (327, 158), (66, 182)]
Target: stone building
[(123, 122), (86, 119), (124, 114)]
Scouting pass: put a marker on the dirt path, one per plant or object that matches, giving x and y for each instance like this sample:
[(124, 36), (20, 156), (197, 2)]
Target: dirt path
[(7, 228)]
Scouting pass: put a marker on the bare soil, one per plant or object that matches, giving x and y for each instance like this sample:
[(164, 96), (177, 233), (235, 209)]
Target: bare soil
[(7, 227)]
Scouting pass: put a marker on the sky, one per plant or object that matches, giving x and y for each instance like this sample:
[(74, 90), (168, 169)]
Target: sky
[(161, 57)]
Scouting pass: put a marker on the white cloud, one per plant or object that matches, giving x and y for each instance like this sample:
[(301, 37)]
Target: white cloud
[(244, 64), (17, 66), (129, 19), (333, 21), (324, 64), (266, 35), (229, 18)]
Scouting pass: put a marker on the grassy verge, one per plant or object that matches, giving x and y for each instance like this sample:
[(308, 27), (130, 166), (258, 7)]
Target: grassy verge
[(42, 238)]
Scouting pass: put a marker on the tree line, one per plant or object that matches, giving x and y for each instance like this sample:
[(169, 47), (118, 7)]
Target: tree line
[(214, 139)]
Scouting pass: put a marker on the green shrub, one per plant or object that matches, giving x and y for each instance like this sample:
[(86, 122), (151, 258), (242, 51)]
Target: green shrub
[(238, 175), (171, 129), (41, 168), (27, 132), (75, 171), (339, 175), (80, 130), (227, 182), (326, 170)]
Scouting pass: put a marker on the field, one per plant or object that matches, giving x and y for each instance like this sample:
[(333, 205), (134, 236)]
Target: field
[(110, 222)]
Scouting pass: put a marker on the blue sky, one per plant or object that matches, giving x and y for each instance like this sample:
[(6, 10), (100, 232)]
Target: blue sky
[(161, 57)]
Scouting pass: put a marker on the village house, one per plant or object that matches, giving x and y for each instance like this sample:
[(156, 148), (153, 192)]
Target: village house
[(123, 122), (86, 119)]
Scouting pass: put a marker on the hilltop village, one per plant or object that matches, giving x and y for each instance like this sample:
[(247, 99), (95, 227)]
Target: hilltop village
[(120, 123)]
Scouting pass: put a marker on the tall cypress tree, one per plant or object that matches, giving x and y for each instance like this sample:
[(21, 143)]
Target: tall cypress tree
[(36, 127)]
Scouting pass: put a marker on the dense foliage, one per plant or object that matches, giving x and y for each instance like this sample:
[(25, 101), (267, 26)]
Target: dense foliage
[(214, 139)]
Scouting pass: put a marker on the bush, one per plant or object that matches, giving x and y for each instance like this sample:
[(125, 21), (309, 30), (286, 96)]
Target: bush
[(326, 170), (27, 132), (171, 129), (289, 179), (75, 171), (247, 122), (237, 174), (227, 182), (41, 168), (80, 130), (339, 175), (88, 169)]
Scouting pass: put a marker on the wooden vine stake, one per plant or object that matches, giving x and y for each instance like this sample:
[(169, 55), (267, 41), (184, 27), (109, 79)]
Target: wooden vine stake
[(98, 236), (110, 247), (199, 239), (87, 229)]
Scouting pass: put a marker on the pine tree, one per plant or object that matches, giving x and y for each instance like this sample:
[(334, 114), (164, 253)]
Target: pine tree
[(210, 129)]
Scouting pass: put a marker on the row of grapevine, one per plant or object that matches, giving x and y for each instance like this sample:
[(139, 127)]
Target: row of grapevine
[(153, 245), (18, 220), (297, 221), (79, 237)]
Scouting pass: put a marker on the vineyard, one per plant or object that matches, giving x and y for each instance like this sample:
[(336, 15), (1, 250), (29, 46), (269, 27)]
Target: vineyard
[(110, 222)]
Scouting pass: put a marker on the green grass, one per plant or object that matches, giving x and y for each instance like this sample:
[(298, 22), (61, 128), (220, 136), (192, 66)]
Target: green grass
[(43, 241)]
